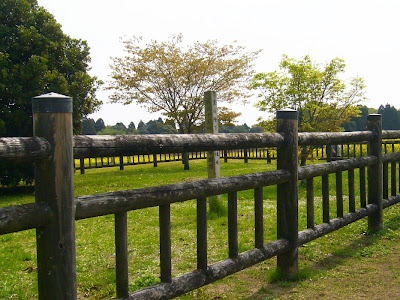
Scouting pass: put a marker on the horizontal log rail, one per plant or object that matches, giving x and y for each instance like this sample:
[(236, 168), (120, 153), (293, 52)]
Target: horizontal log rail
[(102, 145), (333, 138), (22, 217), (391, 134), (24, 148), (216, 271), (115, 202), (335, 166), (391, 157)]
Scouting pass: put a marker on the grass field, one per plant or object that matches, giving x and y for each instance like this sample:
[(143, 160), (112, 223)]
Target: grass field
[(319, 260)]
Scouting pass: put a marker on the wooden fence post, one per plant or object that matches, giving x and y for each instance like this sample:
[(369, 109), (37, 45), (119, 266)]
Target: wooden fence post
[(56, 259), (287, 193), (213, 159), (375, 195)]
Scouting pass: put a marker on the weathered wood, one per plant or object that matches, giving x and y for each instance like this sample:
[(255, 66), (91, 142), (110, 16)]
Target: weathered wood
[(393, 178), (107, 145), (52, 120), (335, 166), (155, 160), (165, 243), (258, 217), (391, 157), (333, 138), (22, 217), (198, 278), (363, 189), (385, 180), (287, 193), (351, 188), (232, 225), (391, 201), (320, 230), (202, 233), (339, 194), (391, 134), (325, 199), (113, 202), (82, 165), (310, 203), (121, 255), (24, 148), (375, 221)]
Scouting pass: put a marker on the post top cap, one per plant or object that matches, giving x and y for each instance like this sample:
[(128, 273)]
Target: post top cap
[(52, 95), (287, 113), (374, 116), (52, 103)]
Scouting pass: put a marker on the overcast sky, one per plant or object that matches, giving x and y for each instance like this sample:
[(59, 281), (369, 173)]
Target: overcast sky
[(363, 33)]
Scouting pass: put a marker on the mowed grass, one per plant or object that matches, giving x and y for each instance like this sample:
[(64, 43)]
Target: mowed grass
[(95, 237)]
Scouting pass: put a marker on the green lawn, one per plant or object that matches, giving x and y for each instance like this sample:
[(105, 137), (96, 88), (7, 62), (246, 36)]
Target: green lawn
[(95, 236)]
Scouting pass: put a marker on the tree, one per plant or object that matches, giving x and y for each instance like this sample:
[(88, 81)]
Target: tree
[(36, 57), (323, 100), (131, 128), (390, 117), (170, 78), (99, 125), (88, 126)]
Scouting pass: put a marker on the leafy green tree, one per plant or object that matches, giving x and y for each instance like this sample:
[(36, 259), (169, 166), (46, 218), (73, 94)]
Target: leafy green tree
[(99, 125), (323, 100), (169, 78), (36, 57), (390, 117), (88, 126)]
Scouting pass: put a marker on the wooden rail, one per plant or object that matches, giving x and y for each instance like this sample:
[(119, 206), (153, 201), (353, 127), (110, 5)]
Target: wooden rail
[(55, 211)]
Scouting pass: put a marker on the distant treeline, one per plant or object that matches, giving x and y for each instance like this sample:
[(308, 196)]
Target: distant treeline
[(390, 118), (89, 126), (390, 121)]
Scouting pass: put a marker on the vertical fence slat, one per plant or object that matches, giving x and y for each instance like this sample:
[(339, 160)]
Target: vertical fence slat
[(393, 179), (287, 193), (121, 255), (232, 225), (202, 233), (310, 203), (385, 180), (352, 197), (339, 194), (375, 221), (363, 190), (325, 199), (258, 217), (165, 243)]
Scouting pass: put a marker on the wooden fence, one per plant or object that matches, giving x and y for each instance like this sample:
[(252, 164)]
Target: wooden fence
[(268, 154), (54, 213)]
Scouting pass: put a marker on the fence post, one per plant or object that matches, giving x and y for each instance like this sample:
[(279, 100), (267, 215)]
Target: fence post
[(287, 193), (213, 157), (52, 120), (375, 195)]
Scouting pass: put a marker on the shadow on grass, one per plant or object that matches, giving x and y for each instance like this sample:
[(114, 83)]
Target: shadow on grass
[(278, 286), (17, 190)]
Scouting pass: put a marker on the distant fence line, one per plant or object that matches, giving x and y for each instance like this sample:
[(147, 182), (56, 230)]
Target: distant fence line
[(267, 154), (54, 213)]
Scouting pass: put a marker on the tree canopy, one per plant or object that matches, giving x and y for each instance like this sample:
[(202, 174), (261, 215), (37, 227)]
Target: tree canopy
[(36, 57), (324, 101), (171, 78)]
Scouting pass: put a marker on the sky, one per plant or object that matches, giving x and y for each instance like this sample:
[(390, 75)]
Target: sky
[(363, 33)]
